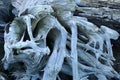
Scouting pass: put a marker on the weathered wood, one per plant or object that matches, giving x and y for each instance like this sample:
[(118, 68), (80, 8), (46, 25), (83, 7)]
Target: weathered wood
[(47, 38)]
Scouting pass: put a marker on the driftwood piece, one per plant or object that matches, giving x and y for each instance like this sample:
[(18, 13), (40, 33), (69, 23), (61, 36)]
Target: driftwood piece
[(48, 39)]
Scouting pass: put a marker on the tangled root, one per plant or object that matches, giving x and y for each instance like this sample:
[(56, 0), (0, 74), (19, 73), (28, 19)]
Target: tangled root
[(47, 39)]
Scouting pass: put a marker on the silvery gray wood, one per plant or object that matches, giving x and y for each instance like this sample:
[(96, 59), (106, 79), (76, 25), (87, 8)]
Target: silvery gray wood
[(48, 39)]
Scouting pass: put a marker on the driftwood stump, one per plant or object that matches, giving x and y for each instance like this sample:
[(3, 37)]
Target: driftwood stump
[(45, 38)]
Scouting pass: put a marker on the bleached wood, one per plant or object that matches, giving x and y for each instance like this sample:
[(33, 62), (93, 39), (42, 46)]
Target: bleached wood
[(48, 39)]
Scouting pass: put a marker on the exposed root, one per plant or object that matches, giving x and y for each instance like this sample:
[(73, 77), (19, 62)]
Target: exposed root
[(48, 39)]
